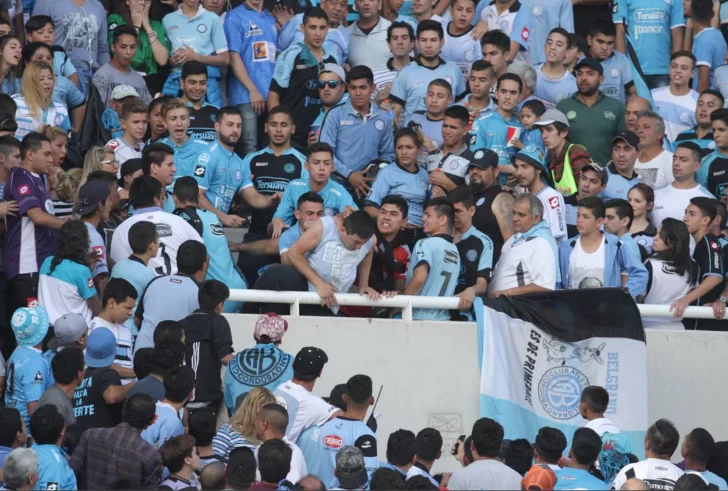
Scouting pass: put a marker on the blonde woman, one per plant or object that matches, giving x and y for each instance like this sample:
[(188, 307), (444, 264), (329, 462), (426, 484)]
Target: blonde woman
[(99, 158), (35, 101), (59, 143), (240, 430), (64, 188)]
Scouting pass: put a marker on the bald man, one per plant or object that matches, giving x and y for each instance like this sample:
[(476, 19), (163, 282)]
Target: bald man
[(635, 104), (311, 483), (634, 484), (213, 476), (271, 424)]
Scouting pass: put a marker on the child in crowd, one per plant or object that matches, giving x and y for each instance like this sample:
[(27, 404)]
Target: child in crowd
[(531, 112), (134, 121), (40, 28)]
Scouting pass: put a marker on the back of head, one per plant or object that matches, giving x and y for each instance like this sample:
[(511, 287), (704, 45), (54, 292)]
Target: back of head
[(66, 364), (700, 445), (690, 481), (401, 447), (175, 450), (419, 482), (178, 383), (186, 190), (143, 361), (166, 357), (311, 483), (428, 444), (487, 437), (154, 154), (360, 223), (585, 446), (18, 467), (212, 293), (202, 427), (191, 257), (274, 460), (595, 398), (276, 416), (212, 476), (143, 191), (519, 455), (662, 438), (241, 467), (385, 479), (359, 390), (141, 236), (139, 411), (550, 444), (46, 425), (10, 425), (169, 333)]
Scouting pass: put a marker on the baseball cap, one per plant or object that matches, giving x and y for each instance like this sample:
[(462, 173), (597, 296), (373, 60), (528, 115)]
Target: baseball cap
[(334, 68), (68, 329), (91, 194), (539, 477), (271, 325), (123, 91), (599, 169), (30, 325), (591, 63), (310, 361), (531, 155), (128, 168), (100, 348), (552, 116), (484, 158), (629, 138), (350, 469)]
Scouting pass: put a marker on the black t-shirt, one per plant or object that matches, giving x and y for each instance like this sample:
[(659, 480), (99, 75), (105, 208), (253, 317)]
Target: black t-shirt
[(390, 259), (718, 177), (471, 250), (485, 220), (89, 406), (709, 256), (202, 123)]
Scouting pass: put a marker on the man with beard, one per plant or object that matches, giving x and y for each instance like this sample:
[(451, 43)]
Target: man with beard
[(493, 206), (594, 117)]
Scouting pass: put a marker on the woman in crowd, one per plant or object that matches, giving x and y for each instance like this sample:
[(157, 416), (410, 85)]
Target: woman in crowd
[(99, 158), (10, 55), (240, 430), (59, 143), (642, 199), (672, 272), (35, 101), (157, 126), (64, 187)]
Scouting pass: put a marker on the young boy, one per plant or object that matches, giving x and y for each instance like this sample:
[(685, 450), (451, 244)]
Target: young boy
[(618, 81), (592, 181), (40, 28), (594, 403), (478, 102), (554, 82), (180, 456), (618, 218), (531, 113), (495, 48), (428, 123), (176, 114), (118, 305), (134, 120), (179, 385)]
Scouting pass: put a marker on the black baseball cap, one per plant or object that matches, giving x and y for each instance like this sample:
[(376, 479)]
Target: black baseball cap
[(91, 194), (127, 168), (627, 137), (600, 171), (310, 361), (591, 63), (484, 158)]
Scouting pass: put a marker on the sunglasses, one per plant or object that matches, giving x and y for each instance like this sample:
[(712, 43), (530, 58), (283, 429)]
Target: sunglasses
[(331, 83), (115, 163)]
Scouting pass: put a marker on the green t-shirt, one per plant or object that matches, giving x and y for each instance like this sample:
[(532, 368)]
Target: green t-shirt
[(143, 60)]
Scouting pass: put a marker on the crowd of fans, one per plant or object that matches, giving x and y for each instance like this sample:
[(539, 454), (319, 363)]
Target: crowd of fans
[(464, 148)]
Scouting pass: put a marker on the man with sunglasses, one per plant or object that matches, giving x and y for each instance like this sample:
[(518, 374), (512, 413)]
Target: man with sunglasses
[(331, 87)]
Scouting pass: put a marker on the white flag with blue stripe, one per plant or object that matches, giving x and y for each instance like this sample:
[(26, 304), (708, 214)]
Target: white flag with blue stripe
[(540, 351)]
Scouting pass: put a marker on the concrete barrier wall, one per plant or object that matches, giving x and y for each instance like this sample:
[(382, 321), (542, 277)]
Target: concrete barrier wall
[(430, 373)]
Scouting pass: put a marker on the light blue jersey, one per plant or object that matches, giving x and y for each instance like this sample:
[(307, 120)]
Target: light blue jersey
[(135, 272), (546, 15), (167, 425), (28, 376), (431, 128), (53, 469), (319, 445), (715, 479), (533, 137), (409, 88), (67, 94), (551, 91), (62, 65), (491, 131), (617, 76), (677, 111), (220, 173), (650, 23), (204, 33), (288, 237), (336, 43), (443, 261), (618, 186), (66, 289), (55, 115), (569, 478), (709, 49), (336, 198), (185, 154), (412, 186)]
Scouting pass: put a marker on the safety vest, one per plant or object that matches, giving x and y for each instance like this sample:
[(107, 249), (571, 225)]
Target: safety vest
[(567, 185)]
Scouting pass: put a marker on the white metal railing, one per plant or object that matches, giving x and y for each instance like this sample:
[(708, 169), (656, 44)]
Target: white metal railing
[(408, 302)]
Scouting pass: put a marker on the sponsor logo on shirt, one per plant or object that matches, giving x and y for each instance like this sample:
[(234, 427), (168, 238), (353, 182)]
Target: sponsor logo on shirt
[(24, 190), (525, 33), (202, 28), (253, 30), (98, 251), (164, 230), (333, 441), (90, 283), (200, 171), (113, 144), (38, 379), (554, 202)]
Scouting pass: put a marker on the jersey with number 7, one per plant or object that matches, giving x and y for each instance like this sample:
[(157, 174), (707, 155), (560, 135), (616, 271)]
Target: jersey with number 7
[(442, 259)]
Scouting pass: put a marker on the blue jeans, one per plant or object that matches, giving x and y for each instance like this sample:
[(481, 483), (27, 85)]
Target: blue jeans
[(250, 128)]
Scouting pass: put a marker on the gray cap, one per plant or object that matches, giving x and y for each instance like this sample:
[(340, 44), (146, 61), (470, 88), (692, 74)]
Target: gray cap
[(552, 116), (334, 68), (68, 329), (350, 469)]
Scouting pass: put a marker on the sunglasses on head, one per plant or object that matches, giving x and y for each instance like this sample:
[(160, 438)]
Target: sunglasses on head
[(331, 83)]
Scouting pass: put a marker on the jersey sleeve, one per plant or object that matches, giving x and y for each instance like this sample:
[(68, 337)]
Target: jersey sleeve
[(23, 191), (702, 52), (287, 239), (422, 254), (68, 68), (247, 174), (222, 338), (202, 168), (380, 188), (287, 34), (234, 33), (217, 35), (398, 90), (709, 256), (485, 263), (283, 70), (521, 29), (85, 283), (285, 208), (677, 16), (109, 378), (346, 199), (318, 412), (169, 429), (74, 97), (556, 210), (543, 269)]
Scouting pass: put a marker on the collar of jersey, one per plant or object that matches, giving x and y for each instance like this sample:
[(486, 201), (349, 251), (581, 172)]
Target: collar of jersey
[(613, 170), (373, 110), (468, 233), (514, 8), (439, 64), (148, 209), (391, 67), (417, 168), (197, 15), (447, 237)]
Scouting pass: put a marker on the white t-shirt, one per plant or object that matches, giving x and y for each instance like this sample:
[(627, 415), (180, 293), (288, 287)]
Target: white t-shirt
[(657, 172), (602, 426), (664, 287), (657, 473), (586, 270), (298, 463), (173, 232), (124, 343), (671, 202), (554, 210), (123, 151), (531, 261), (304, 409)]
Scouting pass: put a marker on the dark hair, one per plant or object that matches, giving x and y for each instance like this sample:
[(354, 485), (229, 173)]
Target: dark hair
[(512, 77), (717, 115), (175, 450), (593, 204), (309, 197), (580, 43), (401, 447), (143, 190), (407, 133), (519, 455), (602, 26), (72, 438), (398, 201), (154, 154), (385, 479), (443, 206), (119, 289), (135, 106), (8, 143), (72, 243), (691, 481), (459, 113), (178, 383), (663, 437), (202, 427), (428, 444), (647, 192), (596, 398), (692, 147), (10, 425), (562, 32), (122, 30), (550, 444), (674, 233), (193, 67), (481, 66), (622, 208), (66, 364), (430, 25), (702, 10), (167, 357), (141, 235), (361, 224), (360, 72), (7, 124), (536, 107), (586, 446), (102, 175), (139, 411), (421, 482), (32, 142), (681, 53), (497, 38), (319, 147), (187, 190), (38, 22), (468, 448), (227, 111), (46, 425), (143, 360), (706, 206), (441, 82), (714, 93), (191, 256), (487, 437), (212, 293), (314, 13), (400, 25), (280, 109), (701, 445), (274, 460), (359, 390), (462, 194), (168, 332), (276, 415), (159, 101), (241, 467), (30, 49)]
